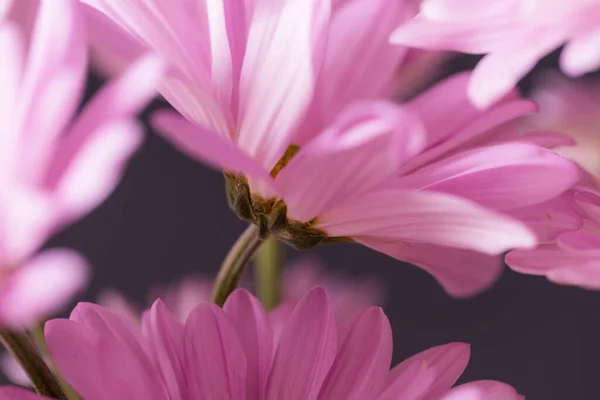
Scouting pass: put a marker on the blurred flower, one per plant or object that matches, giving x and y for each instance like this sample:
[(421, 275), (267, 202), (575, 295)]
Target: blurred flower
[(570, 107), (347, 295), (54, 170), (514, 35), (235, 353), (308, 163)]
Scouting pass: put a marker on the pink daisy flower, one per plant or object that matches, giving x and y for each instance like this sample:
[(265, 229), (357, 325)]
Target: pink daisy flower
[(54, 168), (235, 353), (310, 160), (514, 35)]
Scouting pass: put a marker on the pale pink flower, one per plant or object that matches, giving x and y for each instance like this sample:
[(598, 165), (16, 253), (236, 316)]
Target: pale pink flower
[(514, 35), (573, 258), (308, 163), (54, 169), (571, 107), (347, 295), (234, 353)]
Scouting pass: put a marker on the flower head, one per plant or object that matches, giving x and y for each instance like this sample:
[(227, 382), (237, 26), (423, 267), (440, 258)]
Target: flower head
[(236, 353), (311, 158), (54, 169), (514, 35)]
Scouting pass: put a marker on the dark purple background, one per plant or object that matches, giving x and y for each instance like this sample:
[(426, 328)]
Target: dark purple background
[(169, 217)]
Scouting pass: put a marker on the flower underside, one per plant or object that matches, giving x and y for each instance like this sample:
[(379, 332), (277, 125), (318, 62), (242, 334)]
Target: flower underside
[(270, 215)]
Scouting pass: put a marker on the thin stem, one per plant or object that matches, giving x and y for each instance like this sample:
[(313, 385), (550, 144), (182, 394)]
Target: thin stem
[(234, 264), (22, 348), (268, 273)]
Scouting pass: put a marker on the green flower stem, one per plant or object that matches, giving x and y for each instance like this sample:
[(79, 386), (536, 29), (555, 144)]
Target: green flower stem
[(234, 264), (22, 348), (267, 273)]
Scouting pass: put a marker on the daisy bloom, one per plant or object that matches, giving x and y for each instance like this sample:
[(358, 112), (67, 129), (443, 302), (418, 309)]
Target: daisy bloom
[(54, 168), (280, 101), (235, 353), (513, 35)]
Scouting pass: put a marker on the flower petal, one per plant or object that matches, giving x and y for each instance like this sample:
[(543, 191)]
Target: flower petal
[(120, 99), (307, 347), (96, 168), (426, 217), (447, 362), (277, 78), (250, 319), (52, 82), (42, 286), (363, 359), (582, 54), (366, 145), (501, 177), (216, 365), (166, 335)]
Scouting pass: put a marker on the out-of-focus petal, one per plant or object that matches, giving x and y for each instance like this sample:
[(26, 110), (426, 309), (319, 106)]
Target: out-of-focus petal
[(42, 286), (483, 390)]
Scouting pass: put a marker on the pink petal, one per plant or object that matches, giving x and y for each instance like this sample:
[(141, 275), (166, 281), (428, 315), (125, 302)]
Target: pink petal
[(250, 320), (125, 374), (426, 217), (73, 348), (360, 63), (483, 390), (177, 31), (500, 177), (499, 72), (110, 38), (412, 384), (96, 168), (52, 82), (477, 129), (120, 99), (208, 147), (586, 275), (42, 286), (447, 362), (341, 162), (550, 219), (363, 359), (13, 371), (15, 393), (11, 54), (279, 56), (582, 54), (545, 258), (108, 324), (462, 273), (467, 36), (215, 358), (166, 335), (306, 350), (442, 10)]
